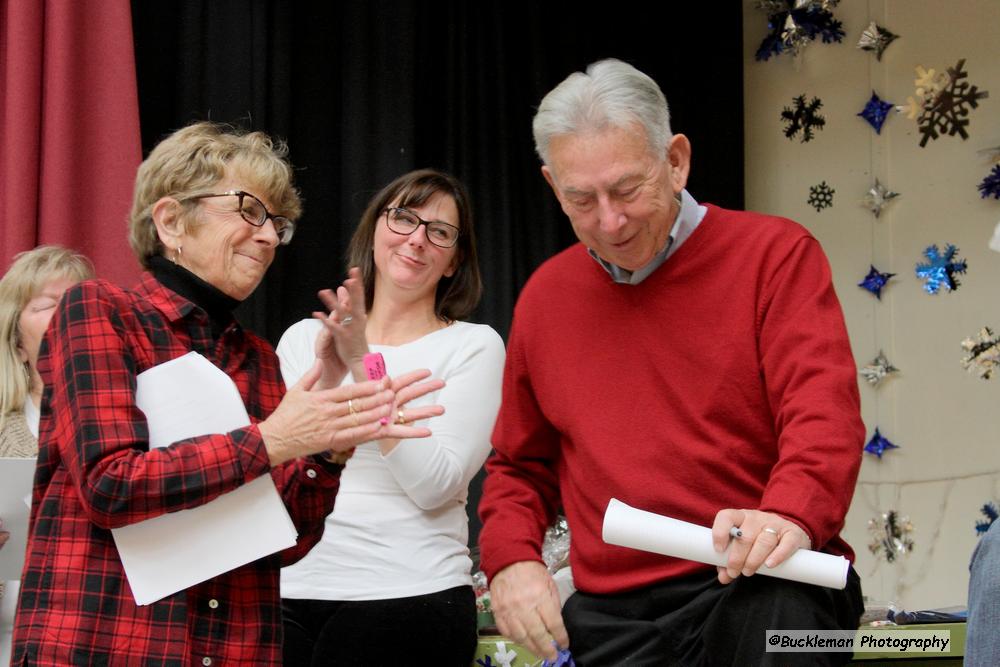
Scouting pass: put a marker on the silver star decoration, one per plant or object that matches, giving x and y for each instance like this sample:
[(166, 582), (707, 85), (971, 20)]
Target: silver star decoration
[(875, 38), (878, 197), (877, 370), (794, 36)]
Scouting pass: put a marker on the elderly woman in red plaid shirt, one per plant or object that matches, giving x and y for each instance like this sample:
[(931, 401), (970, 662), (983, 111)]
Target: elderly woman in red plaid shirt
[(211, 207)]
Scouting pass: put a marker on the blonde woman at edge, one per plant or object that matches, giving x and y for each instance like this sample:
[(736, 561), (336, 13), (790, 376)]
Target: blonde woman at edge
[(392, 571), (29, 292)]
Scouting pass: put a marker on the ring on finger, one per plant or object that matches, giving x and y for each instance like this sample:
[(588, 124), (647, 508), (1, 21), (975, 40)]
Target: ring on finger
[(347, 320), (400, 417), (350, 406), (770, 530)]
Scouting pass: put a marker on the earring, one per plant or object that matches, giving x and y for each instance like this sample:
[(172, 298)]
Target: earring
[(177, 255)]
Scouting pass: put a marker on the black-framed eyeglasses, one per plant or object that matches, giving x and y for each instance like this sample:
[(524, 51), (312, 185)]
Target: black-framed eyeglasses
[(254, 212), (405, 222)]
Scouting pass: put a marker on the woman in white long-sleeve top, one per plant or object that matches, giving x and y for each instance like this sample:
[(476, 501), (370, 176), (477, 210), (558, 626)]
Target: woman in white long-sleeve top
[(392, 572)]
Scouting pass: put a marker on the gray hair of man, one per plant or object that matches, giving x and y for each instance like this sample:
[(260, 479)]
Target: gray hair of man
[(610, 94)]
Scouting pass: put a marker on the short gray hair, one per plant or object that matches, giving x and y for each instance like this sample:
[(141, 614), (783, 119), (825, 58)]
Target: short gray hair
[(610, 94)]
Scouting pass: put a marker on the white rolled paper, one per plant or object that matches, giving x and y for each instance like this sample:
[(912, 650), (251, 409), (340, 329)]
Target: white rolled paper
[(626, 526)]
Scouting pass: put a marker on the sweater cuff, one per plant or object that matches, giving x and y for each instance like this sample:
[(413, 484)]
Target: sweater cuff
[(508, 554)]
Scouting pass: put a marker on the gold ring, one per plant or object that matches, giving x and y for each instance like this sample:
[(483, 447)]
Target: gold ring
[(400, 419), (350, 406), (772, 531)]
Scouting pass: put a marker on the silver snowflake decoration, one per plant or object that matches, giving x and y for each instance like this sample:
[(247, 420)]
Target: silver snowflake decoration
[(890, 536), (927, 85), (878, 197), (875, 38), (821, 196), (982, 353), (877, 370)]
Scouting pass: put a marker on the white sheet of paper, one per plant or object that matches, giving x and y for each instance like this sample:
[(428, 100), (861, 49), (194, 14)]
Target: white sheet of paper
[(637, 529), (184, 398), (18, 476)]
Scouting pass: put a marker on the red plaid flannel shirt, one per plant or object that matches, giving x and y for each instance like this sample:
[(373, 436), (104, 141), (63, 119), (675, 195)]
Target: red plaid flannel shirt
[(95, 472)]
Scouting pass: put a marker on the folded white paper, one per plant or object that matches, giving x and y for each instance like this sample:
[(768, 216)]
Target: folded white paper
[(183, 398), (637, 529), (15, 504)]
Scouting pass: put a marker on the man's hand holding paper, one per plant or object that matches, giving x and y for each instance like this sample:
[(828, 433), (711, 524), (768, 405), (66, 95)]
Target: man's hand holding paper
[(767, 539)]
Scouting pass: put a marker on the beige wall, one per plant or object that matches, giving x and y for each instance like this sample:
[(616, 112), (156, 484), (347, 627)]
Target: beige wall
[(946, 421)]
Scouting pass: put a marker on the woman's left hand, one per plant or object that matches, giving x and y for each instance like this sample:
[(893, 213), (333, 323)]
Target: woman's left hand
[(409, 386), (342, 344)]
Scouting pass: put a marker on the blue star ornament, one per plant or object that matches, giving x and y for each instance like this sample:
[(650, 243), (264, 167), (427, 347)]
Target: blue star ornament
[(940, 269), (875, 281), (876, 112), (879, 444)]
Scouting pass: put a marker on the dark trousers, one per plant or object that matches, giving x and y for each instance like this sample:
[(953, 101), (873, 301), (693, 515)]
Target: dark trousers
[(698, 621), (439, 627)]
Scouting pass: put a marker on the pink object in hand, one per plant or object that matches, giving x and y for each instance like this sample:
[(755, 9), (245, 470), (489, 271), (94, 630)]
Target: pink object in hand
[(375, 370)]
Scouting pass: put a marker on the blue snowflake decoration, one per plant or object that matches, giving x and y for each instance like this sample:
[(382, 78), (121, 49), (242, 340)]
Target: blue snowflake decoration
[(989, 510), (879, 444), (792, 24), (876, 111), (940, 270), (875, 281), (990, 187)]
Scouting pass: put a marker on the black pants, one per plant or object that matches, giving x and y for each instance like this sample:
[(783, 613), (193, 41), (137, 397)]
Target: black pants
[(698, 621), (438, 627)]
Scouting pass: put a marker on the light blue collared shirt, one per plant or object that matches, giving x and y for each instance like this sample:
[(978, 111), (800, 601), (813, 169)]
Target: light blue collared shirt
[(688, 218)]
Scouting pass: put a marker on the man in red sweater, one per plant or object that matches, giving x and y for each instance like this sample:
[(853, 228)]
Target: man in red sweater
[(689, 361)]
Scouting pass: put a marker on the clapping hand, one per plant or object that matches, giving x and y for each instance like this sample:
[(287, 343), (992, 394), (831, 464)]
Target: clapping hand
[(342, 344)]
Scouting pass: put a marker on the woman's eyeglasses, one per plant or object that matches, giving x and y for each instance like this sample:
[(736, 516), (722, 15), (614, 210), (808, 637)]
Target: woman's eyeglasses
[(405, 222), (255, 213)]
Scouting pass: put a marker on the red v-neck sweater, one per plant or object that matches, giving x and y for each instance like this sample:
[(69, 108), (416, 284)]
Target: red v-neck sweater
[(723, 380)]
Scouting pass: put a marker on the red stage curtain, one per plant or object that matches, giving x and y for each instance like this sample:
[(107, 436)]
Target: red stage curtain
[(69, 129)]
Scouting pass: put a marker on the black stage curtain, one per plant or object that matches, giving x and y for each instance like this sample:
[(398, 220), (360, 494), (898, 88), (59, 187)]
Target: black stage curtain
[(366, 90)]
